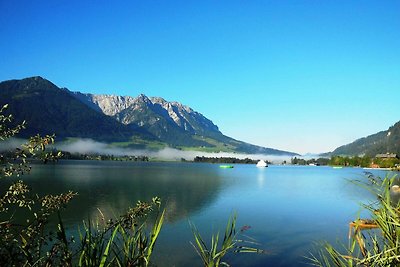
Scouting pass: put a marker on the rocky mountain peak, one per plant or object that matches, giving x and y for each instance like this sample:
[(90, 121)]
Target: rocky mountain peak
[(143, 98)]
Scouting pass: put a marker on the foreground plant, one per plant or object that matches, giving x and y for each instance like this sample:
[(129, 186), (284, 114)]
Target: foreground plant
[(123, 242), (373, 242), (212, 256)]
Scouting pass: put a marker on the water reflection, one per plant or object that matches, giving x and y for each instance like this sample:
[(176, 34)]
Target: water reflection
[(112, 187), (261, 176)]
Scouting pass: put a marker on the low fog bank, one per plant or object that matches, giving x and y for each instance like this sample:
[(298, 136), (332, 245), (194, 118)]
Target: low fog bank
[(88, 146)]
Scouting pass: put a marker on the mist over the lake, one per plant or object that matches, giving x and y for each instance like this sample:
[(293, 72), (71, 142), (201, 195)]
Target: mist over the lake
[(89, 146)]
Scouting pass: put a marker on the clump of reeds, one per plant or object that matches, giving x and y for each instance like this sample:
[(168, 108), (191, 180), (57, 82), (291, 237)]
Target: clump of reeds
[(376, 241), (212, 255), (122, 242)]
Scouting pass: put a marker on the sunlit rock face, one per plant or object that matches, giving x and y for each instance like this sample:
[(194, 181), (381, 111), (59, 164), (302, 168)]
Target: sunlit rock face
[(126, 109), (108, 104)]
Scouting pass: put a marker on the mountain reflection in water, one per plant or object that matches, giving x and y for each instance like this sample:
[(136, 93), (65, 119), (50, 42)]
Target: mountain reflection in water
[(112, 187)]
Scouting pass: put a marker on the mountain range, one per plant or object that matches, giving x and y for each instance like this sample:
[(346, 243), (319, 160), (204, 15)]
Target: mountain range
[(135, 122)]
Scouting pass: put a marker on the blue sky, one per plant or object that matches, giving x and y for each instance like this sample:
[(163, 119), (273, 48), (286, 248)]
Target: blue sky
[(300, 75)]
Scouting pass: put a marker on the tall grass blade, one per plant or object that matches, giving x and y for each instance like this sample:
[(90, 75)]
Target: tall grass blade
[(110, 241)]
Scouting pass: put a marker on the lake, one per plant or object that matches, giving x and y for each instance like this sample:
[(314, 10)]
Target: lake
[(287, 208)]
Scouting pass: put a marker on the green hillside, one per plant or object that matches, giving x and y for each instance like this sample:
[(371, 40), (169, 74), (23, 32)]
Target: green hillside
[(383, 142)]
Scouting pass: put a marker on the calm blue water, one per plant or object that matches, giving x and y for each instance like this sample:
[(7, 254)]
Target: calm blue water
[(288, 208)]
